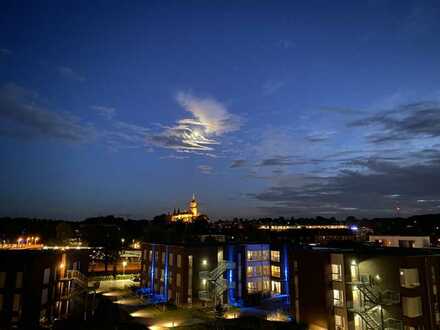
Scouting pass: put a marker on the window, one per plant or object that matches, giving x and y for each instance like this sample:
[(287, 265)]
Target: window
[(2, 279), (46, 276), (16, 302), (276, 287), (170, 259), (412, 306), (336, 272), (170, 278), (19, 280), (275, 271), (266, 270), (266, 285), (339, 322), (179, 260), (275, 256), (409, 277), (251, 286), (150, 255), (249, 271), (44, 296), (178, 280), (163, 258), (337, 298)]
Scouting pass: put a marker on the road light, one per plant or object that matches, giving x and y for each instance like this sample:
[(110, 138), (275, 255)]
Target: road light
[(124, 263)]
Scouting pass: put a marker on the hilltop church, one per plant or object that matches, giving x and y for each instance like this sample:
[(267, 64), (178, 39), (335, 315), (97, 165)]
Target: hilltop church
[(189, 215)]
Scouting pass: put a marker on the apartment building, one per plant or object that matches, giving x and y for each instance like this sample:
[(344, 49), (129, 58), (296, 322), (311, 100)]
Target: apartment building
[(37, 286), (180, 273), (364, 288), (212, 273)]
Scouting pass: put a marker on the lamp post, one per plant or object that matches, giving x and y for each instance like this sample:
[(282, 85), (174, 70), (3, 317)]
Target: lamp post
[(124, 263)]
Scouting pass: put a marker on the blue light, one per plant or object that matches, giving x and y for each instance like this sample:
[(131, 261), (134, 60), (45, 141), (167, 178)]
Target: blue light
[(166, 275), (354, 228)]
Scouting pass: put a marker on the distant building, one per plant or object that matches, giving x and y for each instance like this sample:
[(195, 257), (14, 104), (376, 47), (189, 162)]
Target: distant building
[(401, 241), (189, 215)]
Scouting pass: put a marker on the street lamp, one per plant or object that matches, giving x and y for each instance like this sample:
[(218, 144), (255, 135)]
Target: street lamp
[(124, 263)]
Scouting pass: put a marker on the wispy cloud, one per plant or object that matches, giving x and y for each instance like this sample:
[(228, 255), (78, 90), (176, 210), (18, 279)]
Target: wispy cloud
[(238, 163), (106, 112), (69, 73), (406, 122), (5, 51), (24, 116), (271, 87), (209, 120), (205, 169)]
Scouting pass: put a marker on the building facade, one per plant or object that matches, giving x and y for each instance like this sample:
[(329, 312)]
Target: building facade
[(37, 286), (366, 289)]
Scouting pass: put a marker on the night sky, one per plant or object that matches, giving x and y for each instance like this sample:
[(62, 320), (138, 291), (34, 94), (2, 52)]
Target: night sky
[(261, 108)]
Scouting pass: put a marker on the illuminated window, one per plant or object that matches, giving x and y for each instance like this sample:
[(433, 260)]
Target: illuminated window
[(412, 306), (336, 272), (276, 287), (339, 322), (163, 258), (409, 277), (275, 271), (266, 285), (178, 280), (251, 287), (249, 271), (179, 260), (170, 259), (266, 270), (338, 298), (275, 256)]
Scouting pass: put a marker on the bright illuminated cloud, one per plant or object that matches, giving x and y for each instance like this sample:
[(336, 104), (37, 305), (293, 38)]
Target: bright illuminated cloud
[(210, 119)]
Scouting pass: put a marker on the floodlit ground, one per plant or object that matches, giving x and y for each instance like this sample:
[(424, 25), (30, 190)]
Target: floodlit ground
[(155, 317)]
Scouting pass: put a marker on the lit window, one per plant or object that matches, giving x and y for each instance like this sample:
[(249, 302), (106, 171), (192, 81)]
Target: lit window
[(179, 260), (249, 271), (251, 286), (275, 271), (170, 259), (204, 262), (275, 256), (178, 280), (163, 258), (409, 277), (336, 272), (276, 287), (339, 322), (412, 306), (337, 298)]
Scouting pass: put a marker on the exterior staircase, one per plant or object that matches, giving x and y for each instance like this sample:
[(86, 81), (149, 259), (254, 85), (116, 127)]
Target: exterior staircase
[(374, 301), (216, 283)]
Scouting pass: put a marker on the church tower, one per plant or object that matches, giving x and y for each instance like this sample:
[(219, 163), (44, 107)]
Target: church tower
[(193, 207)]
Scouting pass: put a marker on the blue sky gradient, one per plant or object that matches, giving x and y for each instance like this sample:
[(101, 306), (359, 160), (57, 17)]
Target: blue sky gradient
[(262, 108)]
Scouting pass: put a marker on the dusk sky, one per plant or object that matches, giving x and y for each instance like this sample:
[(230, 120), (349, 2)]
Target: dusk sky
[(261, 108)]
